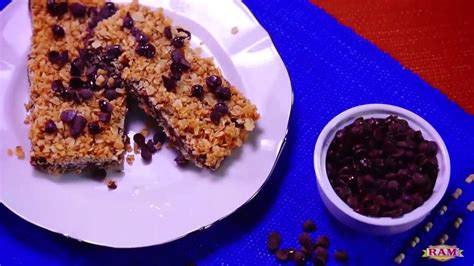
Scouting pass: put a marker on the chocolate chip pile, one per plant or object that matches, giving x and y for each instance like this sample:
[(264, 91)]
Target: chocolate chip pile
[(312, 250), (382, 167), (148, 148)]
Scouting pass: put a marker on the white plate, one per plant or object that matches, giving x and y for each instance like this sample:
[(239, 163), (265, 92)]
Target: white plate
[(159, 202)]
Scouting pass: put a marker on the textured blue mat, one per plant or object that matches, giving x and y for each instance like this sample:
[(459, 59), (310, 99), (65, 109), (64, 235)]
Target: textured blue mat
[(331, 69)]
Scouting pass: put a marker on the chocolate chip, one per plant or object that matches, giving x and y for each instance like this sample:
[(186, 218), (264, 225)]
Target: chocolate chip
[(77, 126), (159, 137), (188, 34), (299, 258), (57, 86), (76, 83), (213, 82), (146, 155), (56, 9), (104, 117), (105, 106), (322, 241), (168, 83), (110, 94), (94, 128), (140, 37), (197, 91), (273, 241), (181, 160), (180, 64), (68, 116), (282, 254), (305, 240), (222, 93), (178, 42), (150, 146), (139, 139), (111, 185), (86, 94), (128, 21), (78, 10), (114, 51), (58, 31), (77, 66), (322, 253), (221, 108), (341, 256), (50, 127), (58, 58), (167, 33), (309, 226), (216, 116), (146, 50)]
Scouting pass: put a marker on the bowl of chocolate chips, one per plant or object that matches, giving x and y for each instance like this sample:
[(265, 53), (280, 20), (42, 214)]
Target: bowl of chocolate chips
[(380, 168)]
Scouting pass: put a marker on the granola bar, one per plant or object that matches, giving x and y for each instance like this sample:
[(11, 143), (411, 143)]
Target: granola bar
[(77, 101), (203, 115)]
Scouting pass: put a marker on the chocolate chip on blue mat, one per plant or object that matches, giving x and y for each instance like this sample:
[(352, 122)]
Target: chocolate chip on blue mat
[(282, 254), (309, 226), (322, 253), (305, 241), (322, 241), (273, 241), (341, 256), (299, 258)]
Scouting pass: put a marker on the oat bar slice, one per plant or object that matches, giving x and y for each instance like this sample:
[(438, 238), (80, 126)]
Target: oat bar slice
[(77, 99), (203, 115)]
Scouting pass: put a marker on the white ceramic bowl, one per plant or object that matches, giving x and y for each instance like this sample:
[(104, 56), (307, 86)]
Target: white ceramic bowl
[(378, 225)]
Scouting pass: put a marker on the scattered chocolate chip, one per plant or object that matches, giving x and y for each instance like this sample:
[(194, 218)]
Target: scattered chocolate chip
[(77, 126), (167, 33), (68, 116), (170, 84), (181, 160), (146, 155), (178, 42), (107, 10), (305, 240), (105, 106), (282, 254), (94, 128), (58, 58), (76, 83), (139, 139), (50, 127), (322, 253), (309, 226), (110, 94), (188, 34), (78, 10), (58, 31), (140, 37), (273, 241), (111, 185), (322, 241), (222, 93), (150, 146), (180, 64), (104, 117), (213, 82), (197, 91), (128, 21), (299, 258), (341, 256)]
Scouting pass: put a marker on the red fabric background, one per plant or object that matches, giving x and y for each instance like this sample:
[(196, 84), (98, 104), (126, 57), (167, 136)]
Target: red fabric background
[(435, 39)]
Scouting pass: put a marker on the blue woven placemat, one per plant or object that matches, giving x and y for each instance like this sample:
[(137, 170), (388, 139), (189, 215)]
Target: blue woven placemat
[(331, 69)]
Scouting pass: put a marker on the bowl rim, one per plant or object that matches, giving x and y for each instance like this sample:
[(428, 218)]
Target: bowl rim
[(319, 160)]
